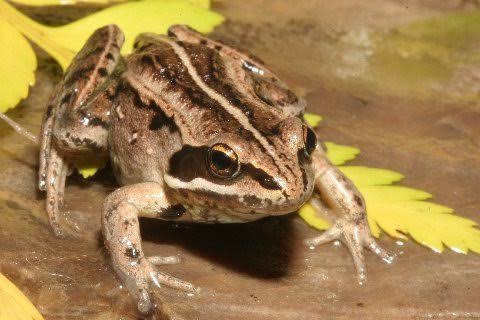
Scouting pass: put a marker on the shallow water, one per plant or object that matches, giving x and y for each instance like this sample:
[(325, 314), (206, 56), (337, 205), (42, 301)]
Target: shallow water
[(385, 81)]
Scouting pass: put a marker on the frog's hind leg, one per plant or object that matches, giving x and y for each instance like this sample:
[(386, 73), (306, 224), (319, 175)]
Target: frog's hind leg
[(75, 124)]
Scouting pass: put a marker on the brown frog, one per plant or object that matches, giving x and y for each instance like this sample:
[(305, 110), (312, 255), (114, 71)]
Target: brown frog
[(195, 131)]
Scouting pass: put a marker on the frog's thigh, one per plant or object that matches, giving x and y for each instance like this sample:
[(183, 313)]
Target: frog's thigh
[(74, 124), (87, 93), (121, 234)]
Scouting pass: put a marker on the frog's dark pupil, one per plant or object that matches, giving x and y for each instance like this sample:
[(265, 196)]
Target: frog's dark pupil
[(221, 160), (310, 141)]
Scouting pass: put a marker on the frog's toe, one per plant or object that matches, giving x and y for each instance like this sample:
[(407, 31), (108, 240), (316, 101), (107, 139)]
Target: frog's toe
[(160, 260), (386, 256), (144, 303), (160, 278)]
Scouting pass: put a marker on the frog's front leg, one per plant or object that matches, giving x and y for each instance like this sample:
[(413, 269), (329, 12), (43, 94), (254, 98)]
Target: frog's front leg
[(121, 234), (350, 223)]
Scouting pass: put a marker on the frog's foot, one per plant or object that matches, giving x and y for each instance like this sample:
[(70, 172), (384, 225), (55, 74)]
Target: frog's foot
[(356, 236), (57, 170), (141, 278)]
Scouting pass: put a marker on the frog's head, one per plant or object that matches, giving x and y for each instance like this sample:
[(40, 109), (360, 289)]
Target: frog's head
[(251, 174)]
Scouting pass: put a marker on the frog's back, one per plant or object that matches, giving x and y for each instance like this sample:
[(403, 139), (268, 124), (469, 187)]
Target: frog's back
[(202, 88)]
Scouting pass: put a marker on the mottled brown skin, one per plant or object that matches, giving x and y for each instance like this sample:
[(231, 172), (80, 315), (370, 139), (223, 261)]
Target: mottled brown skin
[(195, 131)]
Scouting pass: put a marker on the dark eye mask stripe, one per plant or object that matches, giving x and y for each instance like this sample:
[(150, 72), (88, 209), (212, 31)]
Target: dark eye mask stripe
[(189, 163), (263, 178)]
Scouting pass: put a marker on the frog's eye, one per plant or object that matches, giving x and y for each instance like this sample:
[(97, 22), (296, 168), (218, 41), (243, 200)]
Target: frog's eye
[(222, 161), (310, 140)]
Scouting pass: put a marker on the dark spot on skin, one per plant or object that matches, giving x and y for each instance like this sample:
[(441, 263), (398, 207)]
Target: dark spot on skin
[(115, 45), (359, 218), (157, 122), (160, 119), (95, 121), (218, 47), (360, 304), (110, 56), (66, 98), (110, 212), (172, 212), (358, 200), (78, 74), (148, 60), (132, 253), (103, 72), (252, 201), (203, 42), (48, 112), (96, 51), (135, 44)]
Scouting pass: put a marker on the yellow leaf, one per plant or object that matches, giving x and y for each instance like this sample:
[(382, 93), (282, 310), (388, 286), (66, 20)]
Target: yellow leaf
[(18, 63), (312, 119), (132, 17), (364, 176), (62, 2), (339, 154), (13, 303), (88, 167), (400, 211), (309, 214), (203, 3)]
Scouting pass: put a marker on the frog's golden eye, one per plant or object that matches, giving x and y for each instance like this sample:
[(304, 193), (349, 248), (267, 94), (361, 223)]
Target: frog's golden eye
[(310, 140), (222, 161)]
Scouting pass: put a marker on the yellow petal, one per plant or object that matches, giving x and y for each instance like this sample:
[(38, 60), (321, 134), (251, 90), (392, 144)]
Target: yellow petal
[(13, 303), (312, 119), (339, 154), (18, 63)]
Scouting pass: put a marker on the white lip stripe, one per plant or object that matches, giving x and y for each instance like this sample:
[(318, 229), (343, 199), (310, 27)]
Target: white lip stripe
[(201, 184), (237, 114)]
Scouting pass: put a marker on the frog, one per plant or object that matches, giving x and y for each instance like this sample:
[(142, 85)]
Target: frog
[(196, 131)]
